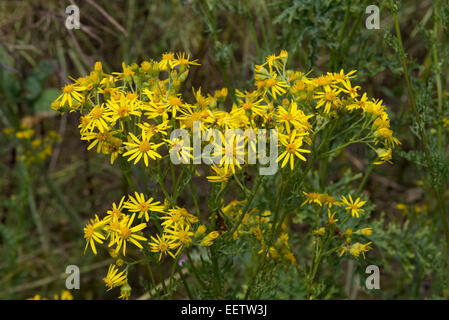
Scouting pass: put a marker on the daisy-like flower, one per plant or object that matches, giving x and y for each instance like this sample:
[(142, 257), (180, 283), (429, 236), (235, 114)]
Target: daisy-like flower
[(312, 197), (125, 233), (276, 86), (293, 117), (122, 108), (116, 212), (92, 234), (99, 118), (183, 60), (326, 98), (354, 207), (181, 235), (101, 139), (114, 278), (167, 60), (162, 245), (142, 148), (358, 103), (292, 144), (178, 216), (342, 77), (142, 206), (70, 92), (349, 89)]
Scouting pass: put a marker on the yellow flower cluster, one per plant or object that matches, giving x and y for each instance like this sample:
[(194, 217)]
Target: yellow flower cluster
[(131, 113), (353, 208)]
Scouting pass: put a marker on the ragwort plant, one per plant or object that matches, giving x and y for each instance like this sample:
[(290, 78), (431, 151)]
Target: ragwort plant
[(243, 243)]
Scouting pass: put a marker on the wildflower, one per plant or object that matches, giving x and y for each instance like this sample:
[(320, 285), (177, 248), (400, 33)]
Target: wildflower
[(358, 103), (353, 206), (162, 245), (126, 233), (349, 89), (181, 235), (114, 278), (294, 117), (292, 144), (142, 148), (276, 86), (98, 118), (66, 295), (183, 60), (127, 73), (311, 197), (166, 61), (327, 98), (142, 206), (92, 234), (116, 212), (70, 92), (122, 108)]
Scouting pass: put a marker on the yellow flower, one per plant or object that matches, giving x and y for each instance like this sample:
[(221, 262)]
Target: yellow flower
[(292, 144), (70, 93), (181, 235), (162, 245), (126, 74), (386, 136), (311, 197), (122, 108), (327, 98), (125, 233), (293, 117), (353, 206), (114, 278), (98, 118), (142, 206), (142, 148), (183, 60), (276, 86), (92, 234)]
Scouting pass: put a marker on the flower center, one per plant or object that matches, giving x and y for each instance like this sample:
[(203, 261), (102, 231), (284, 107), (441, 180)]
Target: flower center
[(290, 148), (96, 113), (144, 146)]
